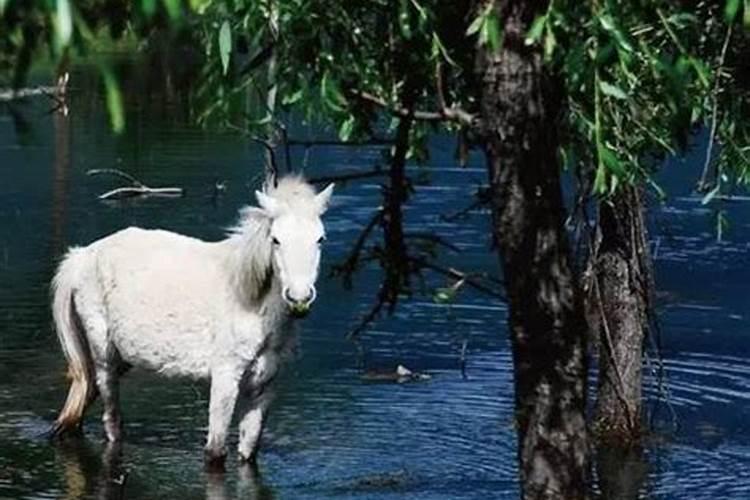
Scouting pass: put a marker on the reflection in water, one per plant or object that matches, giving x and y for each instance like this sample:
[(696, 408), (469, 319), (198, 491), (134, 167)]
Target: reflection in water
[(250, 485), (89, 472), (85, 471), (60, 181)]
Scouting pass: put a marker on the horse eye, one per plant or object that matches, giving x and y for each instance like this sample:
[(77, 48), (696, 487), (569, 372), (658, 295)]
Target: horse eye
[(275, 241), (321, 240)]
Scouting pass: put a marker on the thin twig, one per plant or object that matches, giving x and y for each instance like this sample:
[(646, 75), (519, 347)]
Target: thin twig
[(370, 316), (349, 176), (456, 274), (127, 192), (137, 189), (115, 172), (453, 114), (272, 166), (483, 198), (375, 141), (349, 265), (703, 183), (433, 238)]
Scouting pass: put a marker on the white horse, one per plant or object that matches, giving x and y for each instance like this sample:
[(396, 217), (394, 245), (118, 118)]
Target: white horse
[(186, 307)]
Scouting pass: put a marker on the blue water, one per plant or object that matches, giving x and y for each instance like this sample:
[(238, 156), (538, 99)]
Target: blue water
[(331, 433)]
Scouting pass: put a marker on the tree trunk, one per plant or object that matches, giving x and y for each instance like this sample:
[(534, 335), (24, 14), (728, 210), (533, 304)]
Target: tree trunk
[(395, 194), (618, 301), (520, 103)]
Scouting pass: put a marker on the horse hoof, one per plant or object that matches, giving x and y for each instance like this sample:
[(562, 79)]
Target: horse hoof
[(215, 460)]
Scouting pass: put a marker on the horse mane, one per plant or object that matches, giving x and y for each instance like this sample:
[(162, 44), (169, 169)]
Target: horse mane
[(252, 252), (295, 192)]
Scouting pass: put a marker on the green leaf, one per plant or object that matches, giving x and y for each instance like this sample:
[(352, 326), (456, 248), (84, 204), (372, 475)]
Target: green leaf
[(331, 95), (346, 129), (288, 100), (225, 45), (612, 90), (492, 32), (600, 181), (731, 7), (475, 25), (149, 7), (114, 101), (746, 14), (64, 23), (199, 6), (536, 30), (439, 49), (550, 42), (613, 164), (609, 25), (444, 295), (173, 8), (3, 3)]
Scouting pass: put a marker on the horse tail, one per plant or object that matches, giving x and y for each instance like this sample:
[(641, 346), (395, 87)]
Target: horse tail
[(73, 342)]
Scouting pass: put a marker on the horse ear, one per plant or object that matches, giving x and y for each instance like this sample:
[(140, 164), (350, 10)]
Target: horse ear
[(268, 204), (323, 198)]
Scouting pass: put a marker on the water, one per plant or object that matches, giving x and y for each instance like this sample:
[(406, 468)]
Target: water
[(332, 434)]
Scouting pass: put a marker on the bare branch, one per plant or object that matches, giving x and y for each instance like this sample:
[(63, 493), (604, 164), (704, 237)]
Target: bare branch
[(433, 238), (375, 141), (127, 192), (453, 114), (115, 172), (483, 198), (350, 176), (347, 268), (370, 316), (456, 274), (137, 189)]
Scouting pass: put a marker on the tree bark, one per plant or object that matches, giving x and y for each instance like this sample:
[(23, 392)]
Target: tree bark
[(618, 300), (520, 103)]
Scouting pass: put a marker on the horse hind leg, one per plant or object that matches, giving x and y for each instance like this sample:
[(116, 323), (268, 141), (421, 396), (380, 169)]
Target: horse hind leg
[(108, 383)]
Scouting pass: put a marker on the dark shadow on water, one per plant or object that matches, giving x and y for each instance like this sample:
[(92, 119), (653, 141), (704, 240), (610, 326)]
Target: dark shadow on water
[(621, 472)]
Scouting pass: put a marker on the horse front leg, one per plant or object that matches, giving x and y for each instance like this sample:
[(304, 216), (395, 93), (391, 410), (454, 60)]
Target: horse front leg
[(252, 418), (224, 390)]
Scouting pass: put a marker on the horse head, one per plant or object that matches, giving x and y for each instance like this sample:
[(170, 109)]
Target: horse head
[(296, 234)]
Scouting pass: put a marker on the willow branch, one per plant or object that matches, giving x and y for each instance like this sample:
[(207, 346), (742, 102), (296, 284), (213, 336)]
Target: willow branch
[(703, 183)]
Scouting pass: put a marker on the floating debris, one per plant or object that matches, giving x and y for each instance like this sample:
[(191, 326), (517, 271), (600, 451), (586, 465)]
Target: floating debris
[(400, 376)]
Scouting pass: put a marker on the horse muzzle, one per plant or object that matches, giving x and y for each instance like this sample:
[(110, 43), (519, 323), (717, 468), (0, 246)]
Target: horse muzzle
[(299, 307)]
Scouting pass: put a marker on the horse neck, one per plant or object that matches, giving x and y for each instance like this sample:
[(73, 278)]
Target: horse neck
[(250, 264)]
